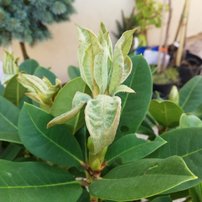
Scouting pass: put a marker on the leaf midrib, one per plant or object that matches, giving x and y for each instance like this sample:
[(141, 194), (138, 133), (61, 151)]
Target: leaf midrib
[(126, 151), (57, 145), (40, 186), (8, 121)]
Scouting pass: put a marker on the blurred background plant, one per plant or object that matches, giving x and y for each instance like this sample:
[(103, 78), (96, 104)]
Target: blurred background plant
[(27, 20), (146, 13)]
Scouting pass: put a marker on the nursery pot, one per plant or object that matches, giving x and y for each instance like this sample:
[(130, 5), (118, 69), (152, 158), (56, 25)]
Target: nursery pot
[(190, 67), (163, 89)]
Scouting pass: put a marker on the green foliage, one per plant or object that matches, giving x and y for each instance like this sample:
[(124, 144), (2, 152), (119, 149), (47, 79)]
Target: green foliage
[(170, 75), (135, 106), (27, 21), (146, 13), (166, 113), (9, 121), (190, 94), (85, 145), (147, 179), (73, 72)]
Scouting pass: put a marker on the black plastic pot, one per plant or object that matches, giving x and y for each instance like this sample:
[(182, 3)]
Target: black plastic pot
[(163, 89), (190, 67)]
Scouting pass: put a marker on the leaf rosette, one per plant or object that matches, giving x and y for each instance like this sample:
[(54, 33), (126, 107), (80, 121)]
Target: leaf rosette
[(103, 70)]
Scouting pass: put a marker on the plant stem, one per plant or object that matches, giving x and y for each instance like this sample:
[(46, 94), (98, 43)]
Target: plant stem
[(24, 51)]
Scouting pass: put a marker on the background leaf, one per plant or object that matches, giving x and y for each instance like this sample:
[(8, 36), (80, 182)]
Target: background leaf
[(135, 106), (44, 72), (55, 144), (166, 112), (8, 121), (73, 72), (141, 179), (29, 66), (63, 102), (190, 94), (33, 182), (188, 121)]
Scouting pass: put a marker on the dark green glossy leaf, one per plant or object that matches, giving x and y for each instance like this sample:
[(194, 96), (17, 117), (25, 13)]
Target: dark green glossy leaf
[(165, 113), (141, 179), (130, 148), (8, 121), (187, 143), (31, 182), (55, 144), (14, 91), (135, 106), (63, 103), (190, 94)]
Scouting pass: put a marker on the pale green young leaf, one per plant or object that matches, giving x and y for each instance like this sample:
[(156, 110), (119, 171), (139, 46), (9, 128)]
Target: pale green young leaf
[(102, 116), (117, 71), (89, 47), (127, 68), (104, 38), (63, 118), (101, 70), (125, 42), (80, 98), (123, 88), (10, 67)]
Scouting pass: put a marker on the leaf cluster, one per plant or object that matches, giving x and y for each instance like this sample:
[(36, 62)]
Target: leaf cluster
[(58, 163)]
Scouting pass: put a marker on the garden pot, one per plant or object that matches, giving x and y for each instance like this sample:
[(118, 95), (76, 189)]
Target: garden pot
[(163, 89), (190, 67)]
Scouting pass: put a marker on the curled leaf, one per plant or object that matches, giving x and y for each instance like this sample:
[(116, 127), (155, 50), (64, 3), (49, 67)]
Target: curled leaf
[(124, 89), (127, 68), (125, 42), (40, 90), (117, 71), (101, 71), (61, 119), (89, 47), (102, 116), (79, 100), (10, 66)]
